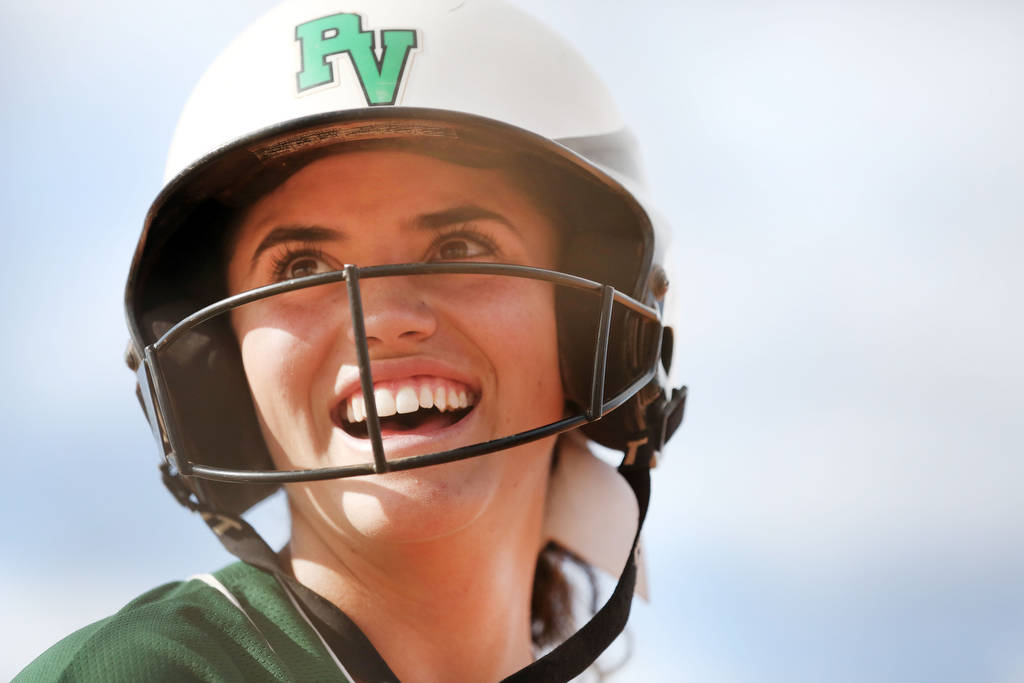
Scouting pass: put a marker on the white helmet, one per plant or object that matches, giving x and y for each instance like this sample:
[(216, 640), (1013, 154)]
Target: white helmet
[(468, 79)]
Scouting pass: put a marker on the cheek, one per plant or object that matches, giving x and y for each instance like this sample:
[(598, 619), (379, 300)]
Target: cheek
[(270, 357), (281, 363), (521, 342)]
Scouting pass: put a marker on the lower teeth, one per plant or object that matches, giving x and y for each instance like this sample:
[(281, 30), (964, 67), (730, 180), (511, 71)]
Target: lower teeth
[(406, 422)]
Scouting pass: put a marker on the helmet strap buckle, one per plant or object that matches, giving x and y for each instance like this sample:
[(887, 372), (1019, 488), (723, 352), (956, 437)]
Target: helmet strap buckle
[(664, 415)]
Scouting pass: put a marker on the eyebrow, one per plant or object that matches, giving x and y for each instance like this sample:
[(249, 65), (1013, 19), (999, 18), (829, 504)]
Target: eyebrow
[(295, 233), (463, 213)]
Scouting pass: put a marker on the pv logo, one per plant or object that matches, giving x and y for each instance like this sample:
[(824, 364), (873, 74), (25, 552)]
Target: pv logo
[(337, 34)]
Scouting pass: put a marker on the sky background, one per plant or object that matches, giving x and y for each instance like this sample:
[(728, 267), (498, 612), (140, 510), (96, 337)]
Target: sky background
[(845, 179)]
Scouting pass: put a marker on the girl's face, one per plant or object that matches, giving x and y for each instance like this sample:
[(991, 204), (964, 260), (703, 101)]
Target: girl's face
[(483, 348)]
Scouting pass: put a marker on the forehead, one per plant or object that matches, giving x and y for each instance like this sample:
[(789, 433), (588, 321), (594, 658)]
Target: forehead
[(389, 186)]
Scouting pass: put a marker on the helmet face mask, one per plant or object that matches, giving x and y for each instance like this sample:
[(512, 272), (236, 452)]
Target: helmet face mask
[(178, 344)]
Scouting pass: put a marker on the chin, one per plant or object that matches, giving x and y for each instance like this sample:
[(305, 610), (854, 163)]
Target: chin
[(403, 507), (427, 503)]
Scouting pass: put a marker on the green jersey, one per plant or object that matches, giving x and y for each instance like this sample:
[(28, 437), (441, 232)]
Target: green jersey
[(239, 624)]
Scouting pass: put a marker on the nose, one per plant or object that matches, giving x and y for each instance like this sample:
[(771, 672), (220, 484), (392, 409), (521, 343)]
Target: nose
[(394, 312)]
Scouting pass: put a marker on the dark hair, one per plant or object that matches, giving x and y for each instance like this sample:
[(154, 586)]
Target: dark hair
[(552, 617)]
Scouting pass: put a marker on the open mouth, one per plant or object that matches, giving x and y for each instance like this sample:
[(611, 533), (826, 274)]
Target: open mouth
[(417, 405)]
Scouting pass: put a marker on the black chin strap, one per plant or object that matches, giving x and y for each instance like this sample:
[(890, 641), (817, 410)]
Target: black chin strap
[(348, 643), (573, 656), (358, 654)]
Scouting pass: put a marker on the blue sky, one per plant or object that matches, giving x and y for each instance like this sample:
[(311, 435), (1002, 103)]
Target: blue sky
[(843, 502)]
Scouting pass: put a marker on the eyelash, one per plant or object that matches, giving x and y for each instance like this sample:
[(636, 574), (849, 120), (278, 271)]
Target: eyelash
[(287, 256), (280, 261), (472, 232)]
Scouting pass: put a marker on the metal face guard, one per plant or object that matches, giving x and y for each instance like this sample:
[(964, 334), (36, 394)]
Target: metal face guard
[(160, 407)]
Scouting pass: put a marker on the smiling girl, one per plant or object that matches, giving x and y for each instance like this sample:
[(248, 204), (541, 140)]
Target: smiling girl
[(397, 262)]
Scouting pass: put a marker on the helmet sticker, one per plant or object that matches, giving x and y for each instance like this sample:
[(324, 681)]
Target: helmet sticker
[(329, 37)]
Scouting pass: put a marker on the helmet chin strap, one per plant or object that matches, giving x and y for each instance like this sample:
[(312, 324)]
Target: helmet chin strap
[(579, 651), (345, 639), (591, 511)]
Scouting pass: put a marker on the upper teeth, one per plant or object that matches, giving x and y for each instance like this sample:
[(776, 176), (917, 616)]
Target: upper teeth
[(408, 397)]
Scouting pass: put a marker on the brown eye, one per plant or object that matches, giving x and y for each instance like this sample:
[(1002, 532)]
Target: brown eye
[(306, 265), (453, 250), (461, 246)]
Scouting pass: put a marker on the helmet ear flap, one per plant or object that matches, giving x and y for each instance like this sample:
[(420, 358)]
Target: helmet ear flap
[(578, 316), (599, 248), (632, 353), (208, 390)]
